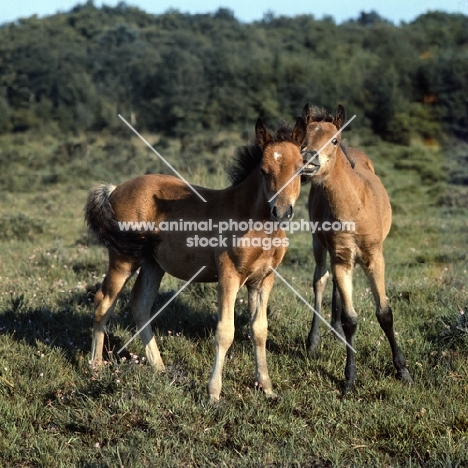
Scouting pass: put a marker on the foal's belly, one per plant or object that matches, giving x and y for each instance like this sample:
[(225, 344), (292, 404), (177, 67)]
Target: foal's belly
[(179, 257), (183, 262), (204, 273)]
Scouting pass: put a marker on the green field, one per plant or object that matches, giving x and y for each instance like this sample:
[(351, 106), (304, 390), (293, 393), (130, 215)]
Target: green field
[(55, 412)]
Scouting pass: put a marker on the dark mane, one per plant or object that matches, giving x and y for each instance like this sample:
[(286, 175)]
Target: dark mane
[(248, 158), (345, 151), (319, 114)]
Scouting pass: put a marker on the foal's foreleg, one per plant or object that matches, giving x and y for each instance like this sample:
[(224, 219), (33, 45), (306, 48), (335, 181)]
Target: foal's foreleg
[(141, 301), (258, 301), (320, 281), (375, 273), (119, 270), (228, 286), (343, 275)]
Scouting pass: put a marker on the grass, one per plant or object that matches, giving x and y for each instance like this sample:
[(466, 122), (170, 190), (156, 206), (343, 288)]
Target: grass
[(55, 412)]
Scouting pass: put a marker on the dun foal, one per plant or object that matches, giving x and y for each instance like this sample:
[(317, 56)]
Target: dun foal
[(260, 171), (345, 188)]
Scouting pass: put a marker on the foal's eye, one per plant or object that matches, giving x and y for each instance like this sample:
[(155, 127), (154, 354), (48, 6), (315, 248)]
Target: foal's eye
[(334, 141)]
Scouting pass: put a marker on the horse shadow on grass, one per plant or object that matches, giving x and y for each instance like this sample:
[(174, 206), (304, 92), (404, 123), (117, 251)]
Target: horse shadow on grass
[(68, 323), (63, 326)]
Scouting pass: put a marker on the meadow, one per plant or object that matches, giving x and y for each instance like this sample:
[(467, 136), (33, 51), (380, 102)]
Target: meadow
[(56, 412)]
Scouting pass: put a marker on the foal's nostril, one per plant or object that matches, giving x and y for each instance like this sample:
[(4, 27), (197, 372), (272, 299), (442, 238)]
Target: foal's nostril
[(285, 214), (274, 212)]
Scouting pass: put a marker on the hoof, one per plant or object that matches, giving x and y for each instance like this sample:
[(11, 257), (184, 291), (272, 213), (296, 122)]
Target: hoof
[(160, 369), (213, 401), (313, 352), (313, 343), (405, 376), (348, 387), (271, 395), (96, 364), (313, 348), (266, 389)]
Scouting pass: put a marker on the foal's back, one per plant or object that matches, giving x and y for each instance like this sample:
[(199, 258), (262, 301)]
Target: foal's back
[(364, 168), (360, 161)]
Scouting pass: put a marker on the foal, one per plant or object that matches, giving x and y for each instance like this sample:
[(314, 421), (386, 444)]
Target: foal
[(261, 170), (345, 188)]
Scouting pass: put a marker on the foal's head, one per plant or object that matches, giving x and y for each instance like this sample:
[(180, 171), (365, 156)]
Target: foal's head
[(280, 166), (321, 144)]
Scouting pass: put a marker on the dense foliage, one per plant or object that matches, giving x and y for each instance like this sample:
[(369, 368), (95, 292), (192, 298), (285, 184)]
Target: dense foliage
[(176, 73)]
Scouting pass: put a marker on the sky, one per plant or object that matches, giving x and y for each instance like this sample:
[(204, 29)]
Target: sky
[(248, 10)]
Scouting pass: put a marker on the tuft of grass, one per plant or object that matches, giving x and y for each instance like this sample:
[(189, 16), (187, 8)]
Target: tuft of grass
[(20, 227)]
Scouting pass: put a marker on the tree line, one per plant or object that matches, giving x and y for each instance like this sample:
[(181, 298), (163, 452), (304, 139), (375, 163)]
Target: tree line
[(180, 73)]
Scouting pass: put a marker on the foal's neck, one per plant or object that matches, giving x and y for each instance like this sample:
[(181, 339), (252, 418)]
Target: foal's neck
[(250, 196), (343, 185)]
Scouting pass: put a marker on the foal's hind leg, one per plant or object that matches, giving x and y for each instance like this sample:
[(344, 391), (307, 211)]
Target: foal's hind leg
[(336, 311), (320, 281), (375, 272), (141, 301), (118, 272)]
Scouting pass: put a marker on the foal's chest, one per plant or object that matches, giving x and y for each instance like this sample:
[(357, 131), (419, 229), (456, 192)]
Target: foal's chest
[(254, 265)]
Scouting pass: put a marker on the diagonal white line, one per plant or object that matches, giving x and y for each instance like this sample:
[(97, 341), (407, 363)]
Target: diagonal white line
[(160, 157), (313, 157), (161, 309), (313, 310)]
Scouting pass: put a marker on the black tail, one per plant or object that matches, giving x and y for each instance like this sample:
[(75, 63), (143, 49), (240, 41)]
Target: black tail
[(103, 224)]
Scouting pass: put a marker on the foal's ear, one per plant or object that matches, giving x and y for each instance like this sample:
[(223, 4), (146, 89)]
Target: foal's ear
[(262, 134), (340, 117), (299, 131), (306, 113)]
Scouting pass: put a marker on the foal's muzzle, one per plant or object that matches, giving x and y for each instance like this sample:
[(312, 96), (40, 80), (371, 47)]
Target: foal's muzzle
[(311, 161), (282, 213)]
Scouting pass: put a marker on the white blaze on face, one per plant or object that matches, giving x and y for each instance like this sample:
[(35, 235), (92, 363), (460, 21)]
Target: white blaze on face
[(277, 156)]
